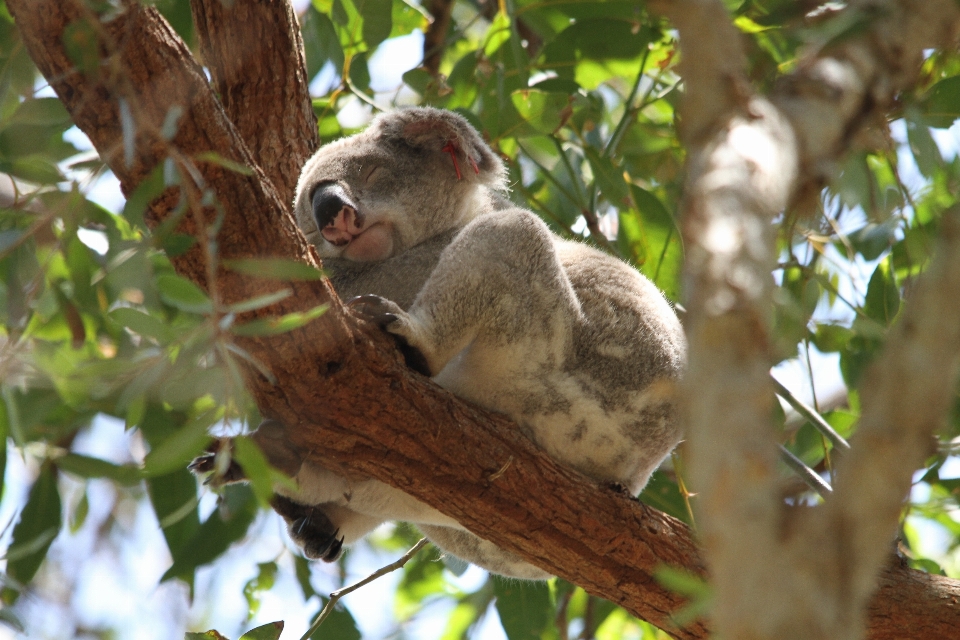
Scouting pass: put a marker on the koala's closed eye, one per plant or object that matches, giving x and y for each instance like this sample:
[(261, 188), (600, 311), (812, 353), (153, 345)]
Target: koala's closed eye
[(369, 173)]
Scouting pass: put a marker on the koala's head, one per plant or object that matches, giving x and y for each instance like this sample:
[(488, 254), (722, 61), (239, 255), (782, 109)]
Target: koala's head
[(412, 174)]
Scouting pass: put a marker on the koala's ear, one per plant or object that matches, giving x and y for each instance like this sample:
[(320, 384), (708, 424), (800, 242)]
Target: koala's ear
[(449, 133)]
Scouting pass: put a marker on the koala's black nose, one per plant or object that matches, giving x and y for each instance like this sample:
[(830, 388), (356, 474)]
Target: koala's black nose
[(328, 200)]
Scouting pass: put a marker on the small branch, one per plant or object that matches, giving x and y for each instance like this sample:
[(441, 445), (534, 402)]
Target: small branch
[(811, 414), (339, 593)]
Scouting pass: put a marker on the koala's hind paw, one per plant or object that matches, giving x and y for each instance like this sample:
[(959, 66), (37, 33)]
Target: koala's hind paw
[(394, 320), (310, 528)]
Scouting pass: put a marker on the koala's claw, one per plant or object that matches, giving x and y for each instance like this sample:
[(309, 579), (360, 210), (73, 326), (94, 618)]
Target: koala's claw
[(310, 528), (376, 309)]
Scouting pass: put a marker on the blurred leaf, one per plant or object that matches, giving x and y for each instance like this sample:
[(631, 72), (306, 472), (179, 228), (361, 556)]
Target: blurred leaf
[(525, 608), (215, 158), (142, 323), (183, 294), (80, 514), (206, 635), (883, 295), (541, 109), (320, 42), (608, 177), (377, 20), (339, 625), (178, 449), (274, 268), (38, 525), (225, 526), (359, 72), (263, 581), (662, 493), (302, 568), (45, 112), (255, 467), (88, 467), (941, 104), (281, 324)]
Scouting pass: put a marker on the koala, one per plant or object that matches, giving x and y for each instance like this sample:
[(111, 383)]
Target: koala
[(412, 221)]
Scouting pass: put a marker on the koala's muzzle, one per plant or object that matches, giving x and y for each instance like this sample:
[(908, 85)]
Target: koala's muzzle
[(328, 201)]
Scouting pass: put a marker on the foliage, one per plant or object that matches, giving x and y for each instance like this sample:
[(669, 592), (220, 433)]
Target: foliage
[(580, 99)]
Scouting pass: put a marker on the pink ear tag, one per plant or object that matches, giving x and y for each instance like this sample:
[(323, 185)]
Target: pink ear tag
[(452, 150)]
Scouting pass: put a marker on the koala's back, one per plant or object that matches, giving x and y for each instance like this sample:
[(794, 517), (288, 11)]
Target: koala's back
[(628, 351)]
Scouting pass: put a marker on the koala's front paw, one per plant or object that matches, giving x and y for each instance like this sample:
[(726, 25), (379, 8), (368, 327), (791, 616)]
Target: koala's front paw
[(310, 528), (207, 463), (391, 318), (385, 313)]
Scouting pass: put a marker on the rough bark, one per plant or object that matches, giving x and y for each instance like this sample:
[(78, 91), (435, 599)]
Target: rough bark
[(254, 53), (748, 158), (345, 394)]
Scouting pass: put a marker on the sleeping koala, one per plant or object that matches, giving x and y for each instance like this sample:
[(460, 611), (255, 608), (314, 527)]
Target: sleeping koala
[(575, 346)]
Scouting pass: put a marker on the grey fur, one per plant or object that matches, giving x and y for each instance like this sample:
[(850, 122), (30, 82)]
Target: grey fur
[(574, 345)]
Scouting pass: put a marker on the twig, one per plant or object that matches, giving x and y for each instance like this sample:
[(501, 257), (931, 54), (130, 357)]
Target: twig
[(339, 593), (815, 418)]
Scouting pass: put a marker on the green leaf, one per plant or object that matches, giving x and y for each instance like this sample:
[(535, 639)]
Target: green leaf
[(88, 467), (184, 295), (663, 494), (339, 625), (941, 105), (80, 514), (302, 567), (45, 112), (83, 46), (872, 239), (259, 302), (269, 631), (255, 467), (377, 20), (142, 323), (145, 193), (215, 158), (608, 177), (212, 634), (359, 72), (263, 581), (282, 324), (38, 525), (883, 295), (225, 526), (525, 608), (320, 42), (542, 109), (178, 449), (925, 151), (274, 268)]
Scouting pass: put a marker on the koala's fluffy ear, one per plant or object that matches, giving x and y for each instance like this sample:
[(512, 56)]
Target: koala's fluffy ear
[(448, 133)]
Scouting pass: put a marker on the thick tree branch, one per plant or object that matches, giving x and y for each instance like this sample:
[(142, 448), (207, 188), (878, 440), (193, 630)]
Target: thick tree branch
[(345, 395)]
